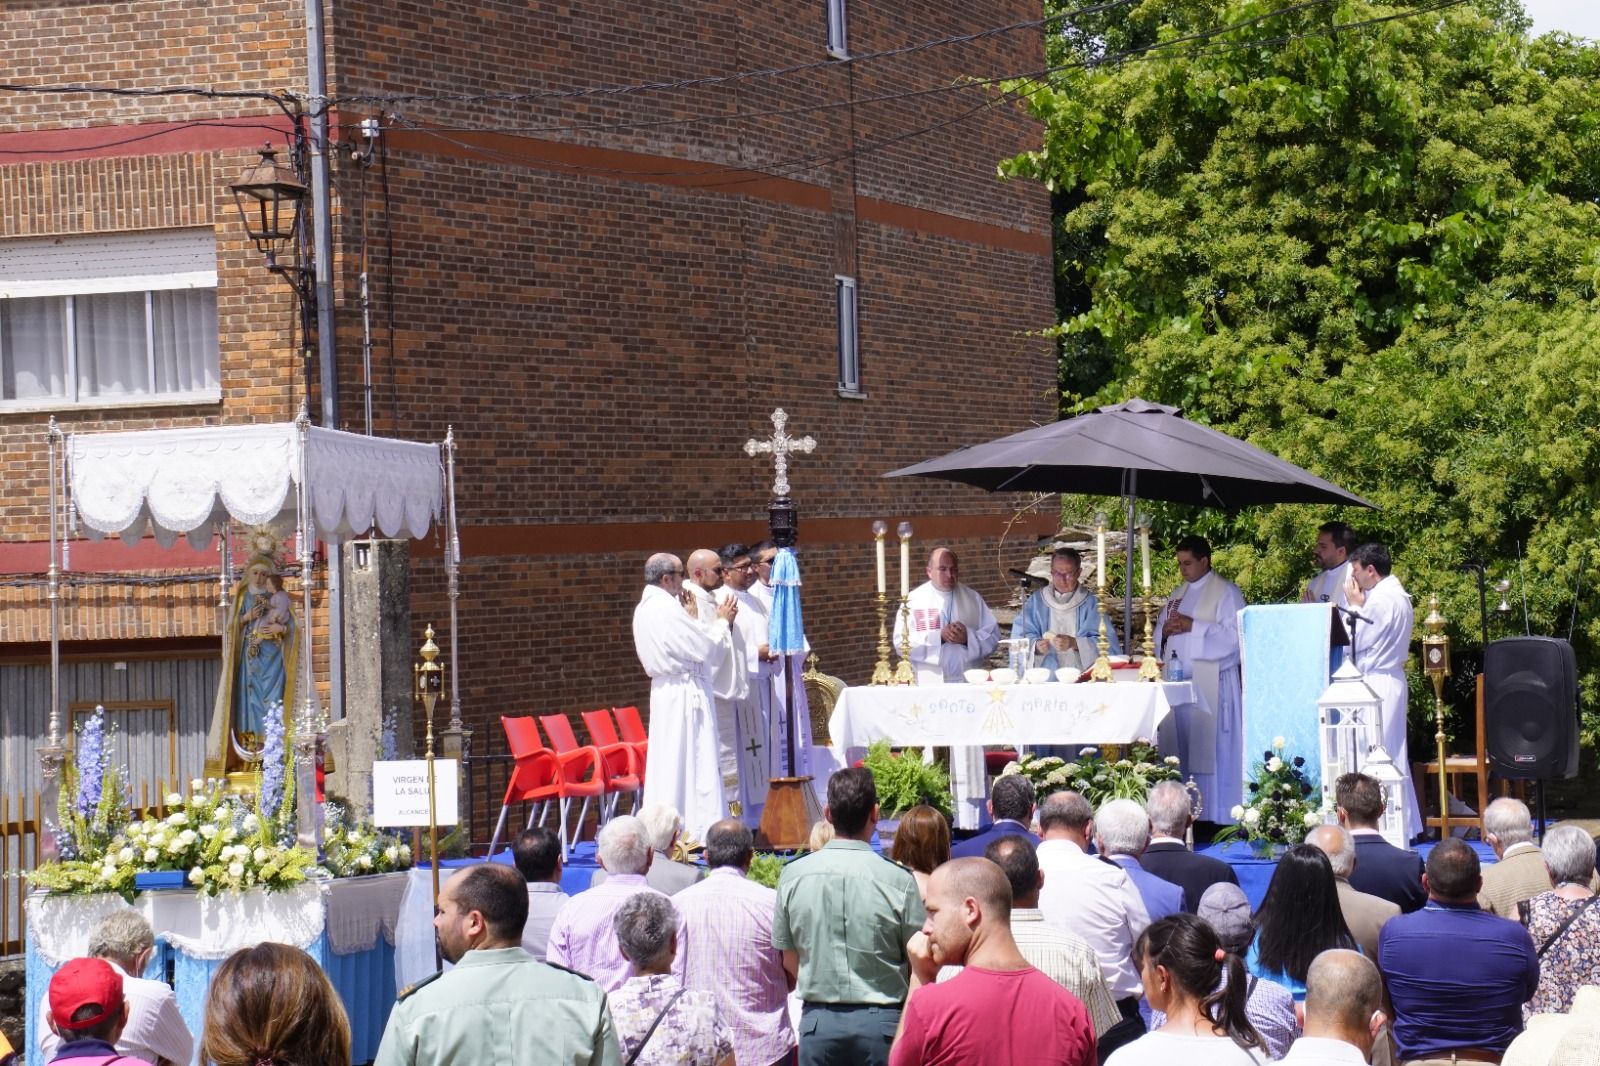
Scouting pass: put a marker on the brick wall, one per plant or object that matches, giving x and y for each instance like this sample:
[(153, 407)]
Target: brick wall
[(604, 314)]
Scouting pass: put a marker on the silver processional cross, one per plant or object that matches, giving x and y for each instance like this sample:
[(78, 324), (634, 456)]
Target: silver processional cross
[(779, 447)]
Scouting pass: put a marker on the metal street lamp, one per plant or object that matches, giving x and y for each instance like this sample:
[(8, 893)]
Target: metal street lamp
[(268, 196)]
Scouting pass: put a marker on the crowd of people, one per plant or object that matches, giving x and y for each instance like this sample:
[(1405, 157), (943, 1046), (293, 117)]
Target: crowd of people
[(1075, 936)]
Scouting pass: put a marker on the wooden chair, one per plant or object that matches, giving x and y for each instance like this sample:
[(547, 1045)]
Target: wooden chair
[(1455, 768)]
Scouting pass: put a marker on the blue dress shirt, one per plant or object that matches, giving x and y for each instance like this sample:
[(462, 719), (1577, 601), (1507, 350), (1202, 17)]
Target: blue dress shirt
[(1458, 977)]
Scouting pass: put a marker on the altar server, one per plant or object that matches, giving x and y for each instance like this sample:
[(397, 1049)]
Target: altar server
[(1380, 643), (1063, 618), (1332, 552), (680, 655), (952, 631), (1200, 624)]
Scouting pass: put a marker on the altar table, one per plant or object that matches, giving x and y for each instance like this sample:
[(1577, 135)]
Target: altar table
[(1020, 714)]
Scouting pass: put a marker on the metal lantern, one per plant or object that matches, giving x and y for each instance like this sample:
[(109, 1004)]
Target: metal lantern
[(1349, 725), (268, 196), (1381, 768)]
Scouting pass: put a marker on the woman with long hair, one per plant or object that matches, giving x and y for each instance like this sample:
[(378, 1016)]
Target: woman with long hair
[(922, 843), (271, 1005), (1298, 920), (1180, 962)]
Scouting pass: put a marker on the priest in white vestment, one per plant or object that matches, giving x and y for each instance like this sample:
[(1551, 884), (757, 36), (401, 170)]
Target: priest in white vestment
[(1380, 645), (1334, 542), (728, 681), (778, 729), (952, 631), (1200, 624), (679, 654), (752, 711)]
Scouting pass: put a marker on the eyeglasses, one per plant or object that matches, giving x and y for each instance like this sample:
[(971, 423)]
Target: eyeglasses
[(746, 565), (718, 569), (673, 573)]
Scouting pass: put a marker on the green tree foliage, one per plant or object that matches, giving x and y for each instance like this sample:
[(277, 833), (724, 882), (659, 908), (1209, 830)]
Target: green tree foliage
[(1371, 247)]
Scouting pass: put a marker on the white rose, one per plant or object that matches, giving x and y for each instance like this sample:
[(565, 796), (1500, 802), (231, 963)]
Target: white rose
[(1252, 816), (197, 785), (157, 839), (1278, 743), (1313, 819), (188, 837), (1171, 760), (229, 833), (1274, 765), (196, 876), (236, 870), (405, 852), (365, 862), (260, 855), (108, 873), (1237, 812), (391, 853), (208, 831), (251, 823), (125, 855), (175, 846), (151, 855), (174, 798)]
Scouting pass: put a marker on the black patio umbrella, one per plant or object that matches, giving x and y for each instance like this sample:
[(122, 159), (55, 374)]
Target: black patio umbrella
[(1135, 449), (1138, 450)]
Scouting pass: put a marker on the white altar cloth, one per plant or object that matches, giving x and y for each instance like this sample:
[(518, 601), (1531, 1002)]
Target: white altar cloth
[(1028, 715)]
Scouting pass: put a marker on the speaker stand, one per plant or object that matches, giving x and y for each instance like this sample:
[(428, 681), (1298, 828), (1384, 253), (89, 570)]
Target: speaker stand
[(1538, 809)]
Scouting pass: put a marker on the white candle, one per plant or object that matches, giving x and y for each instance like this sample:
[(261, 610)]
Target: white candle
[(905, 558), (878, 530), (1100, 550), (1144, 554)]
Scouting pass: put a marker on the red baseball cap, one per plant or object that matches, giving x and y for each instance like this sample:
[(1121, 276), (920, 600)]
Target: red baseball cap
[(85, 983)]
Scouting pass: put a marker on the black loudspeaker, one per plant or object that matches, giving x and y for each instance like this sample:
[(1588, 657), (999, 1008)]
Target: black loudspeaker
[(1530, 708)]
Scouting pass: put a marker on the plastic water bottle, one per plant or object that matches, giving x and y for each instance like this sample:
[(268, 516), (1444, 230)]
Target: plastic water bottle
[(1174, 667)]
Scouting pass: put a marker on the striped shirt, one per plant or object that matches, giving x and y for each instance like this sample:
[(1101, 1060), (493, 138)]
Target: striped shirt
[(726, 949), (1065, 958), (584, 936)]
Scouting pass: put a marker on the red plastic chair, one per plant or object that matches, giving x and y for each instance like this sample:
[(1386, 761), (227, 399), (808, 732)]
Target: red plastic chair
[(621, 774), (632, 728), (603, 731), (535, 779), (577, 760)]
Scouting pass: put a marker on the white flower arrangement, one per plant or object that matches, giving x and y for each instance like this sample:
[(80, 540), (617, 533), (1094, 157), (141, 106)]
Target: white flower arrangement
[(354, 850), (1278, 808), (1130, 776)]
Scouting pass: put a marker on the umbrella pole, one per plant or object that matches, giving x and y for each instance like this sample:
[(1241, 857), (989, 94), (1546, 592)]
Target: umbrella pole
[(1127, 566)]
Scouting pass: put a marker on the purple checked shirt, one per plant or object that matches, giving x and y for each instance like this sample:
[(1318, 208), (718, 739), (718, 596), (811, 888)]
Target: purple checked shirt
[(584, 936), (725, 948)]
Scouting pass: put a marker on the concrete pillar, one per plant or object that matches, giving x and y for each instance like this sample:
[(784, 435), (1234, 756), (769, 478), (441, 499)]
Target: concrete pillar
[(377, 668)]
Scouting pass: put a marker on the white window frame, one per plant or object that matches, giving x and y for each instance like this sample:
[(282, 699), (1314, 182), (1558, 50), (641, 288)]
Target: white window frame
[(144, 263), (838, 30), (847, 315)]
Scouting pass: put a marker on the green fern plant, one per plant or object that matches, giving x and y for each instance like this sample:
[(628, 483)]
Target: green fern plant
[(903, 780)]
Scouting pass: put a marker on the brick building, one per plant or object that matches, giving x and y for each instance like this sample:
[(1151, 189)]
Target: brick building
[(604, 293)]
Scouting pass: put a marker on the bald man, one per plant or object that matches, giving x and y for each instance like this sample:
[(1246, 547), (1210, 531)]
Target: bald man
[(680, 655), (1344, 1011), (1363, 912), (999, 1009), (729, 681), (951, 631)]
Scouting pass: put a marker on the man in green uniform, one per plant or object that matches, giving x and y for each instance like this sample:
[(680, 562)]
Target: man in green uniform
[(499, 1004), (843, 918)]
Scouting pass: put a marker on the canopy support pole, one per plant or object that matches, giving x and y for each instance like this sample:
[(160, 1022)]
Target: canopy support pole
[(53, 753), (1127, 567), (452, 569)]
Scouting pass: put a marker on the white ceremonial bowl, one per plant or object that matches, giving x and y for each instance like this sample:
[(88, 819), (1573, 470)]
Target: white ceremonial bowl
[(976, 677), (1003, 676), (1037, 675), (1069, 674)]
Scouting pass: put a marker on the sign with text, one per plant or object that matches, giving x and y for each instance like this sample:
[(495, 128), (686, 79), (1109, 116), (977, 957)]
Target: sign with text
[(400, 792)]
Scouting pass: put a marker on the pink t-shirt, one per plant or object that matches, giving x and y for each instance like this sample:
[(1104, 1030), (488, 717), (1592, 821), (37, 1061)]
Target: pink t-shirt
[(993, 1016)]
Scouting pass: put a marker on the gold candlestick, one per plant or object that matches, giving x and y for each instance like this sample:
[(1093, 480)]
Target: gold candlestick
[(903, 674), (1436, 665), (882, 673), (1101, 670), (1150, 669)]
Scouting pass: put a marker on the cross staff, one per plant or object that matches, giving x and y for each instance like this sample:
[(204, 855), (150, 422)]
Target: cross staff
[(779, 447)]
